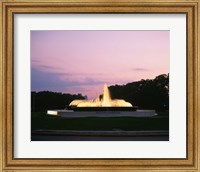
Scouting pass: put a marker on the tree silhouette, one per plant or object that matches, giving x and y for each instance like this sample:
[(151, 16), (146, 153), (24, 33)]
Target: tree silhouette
[(41, 101), (146, 94)]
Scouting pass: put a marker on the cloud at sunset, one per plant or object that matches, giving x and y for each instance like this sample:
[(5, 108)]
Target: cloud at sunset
[(82, 61)]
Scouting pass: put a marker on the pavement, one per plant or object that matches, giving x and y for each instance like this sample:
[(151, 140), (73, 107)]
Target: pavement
[(100, 133)]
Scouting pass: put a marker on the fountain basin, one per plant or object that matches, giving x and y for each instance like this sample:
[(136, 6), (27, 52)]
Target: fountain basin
[(82, 114)]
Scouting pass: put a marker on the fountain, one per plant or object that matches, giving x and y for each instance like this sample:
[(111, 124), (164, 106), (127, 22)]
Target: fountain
[(104, 104), (104, 107)]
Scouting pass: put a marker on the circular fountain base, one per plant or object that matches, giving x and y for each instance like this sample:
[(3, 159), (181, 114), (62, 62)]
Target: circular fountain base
[(82, 114)]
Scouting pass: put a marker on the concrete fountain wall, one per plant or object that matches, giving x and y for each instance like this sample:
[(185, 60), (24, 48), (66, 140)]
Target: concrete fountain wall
[(78, 114)]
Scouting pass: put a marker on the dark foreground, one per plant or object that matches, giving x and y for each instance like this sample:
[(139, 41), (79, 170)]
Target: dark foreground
[(98, 138), (66, 135), (41, 121), (54, 128)]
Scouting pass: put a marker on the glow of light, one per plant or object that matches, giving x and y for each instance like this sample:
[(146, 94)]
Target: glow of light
[(106, 101)]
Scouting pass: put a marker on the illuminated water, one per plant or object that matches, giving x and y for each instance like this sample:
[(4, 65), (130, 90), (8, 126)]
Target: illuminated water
[(106, 101)]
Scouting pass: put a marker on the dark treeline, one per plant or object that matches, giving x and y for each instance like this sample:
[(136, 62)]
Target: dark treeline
[(41, 101), (146, 94)]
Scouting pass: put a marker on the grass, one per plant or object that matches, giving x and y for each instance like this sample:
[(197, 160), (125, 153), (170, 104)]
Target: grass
[(40, 120)]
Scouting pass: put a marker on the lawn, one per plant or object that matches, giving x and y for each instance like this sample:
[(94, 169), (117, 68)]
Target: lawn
[(42, 121)]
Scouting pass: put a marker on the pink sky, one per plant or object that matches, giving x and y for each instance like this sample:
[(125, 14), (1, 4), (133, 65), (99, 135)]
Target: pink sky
[(82, 61)]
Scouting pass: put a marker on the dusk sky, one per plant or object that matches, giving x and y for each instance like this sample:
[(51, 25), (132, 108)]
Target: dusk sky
[(83, 61)]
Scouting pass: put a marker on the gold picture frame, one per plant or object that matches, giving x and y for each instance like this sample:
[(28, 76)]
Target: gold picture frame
[(11, 7)]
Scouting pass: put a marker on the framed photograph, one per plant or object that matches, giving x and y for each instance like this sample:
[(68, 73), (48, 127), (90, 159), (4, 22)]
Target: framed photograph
[(93, 85)]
